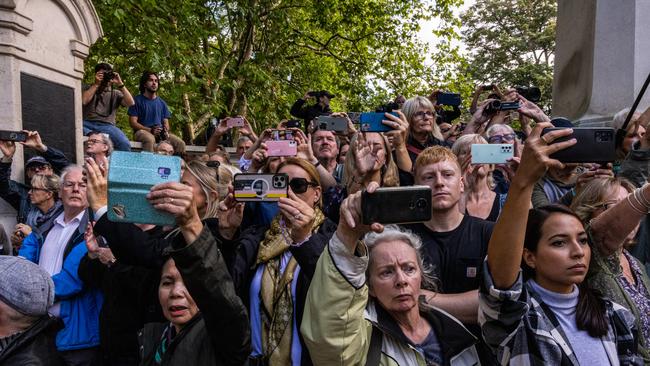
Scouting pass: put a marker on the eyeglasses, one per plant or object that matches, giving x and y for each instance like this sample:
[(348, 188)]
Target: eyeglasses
[(71, 185), (605, 205), (422, 114), (497, 139), (300, 185), (93, 141), (38, 168), (38, 189)]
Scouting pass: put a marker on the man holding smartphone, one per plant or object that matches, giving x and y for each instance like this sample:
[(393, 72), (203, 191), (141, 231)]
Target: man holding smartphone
[(454, 244)]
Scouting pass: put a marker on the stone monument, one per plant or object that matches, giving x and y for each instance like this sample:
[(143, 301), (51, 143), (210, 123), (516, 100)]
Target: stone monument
[(43, 45), (602, 58)]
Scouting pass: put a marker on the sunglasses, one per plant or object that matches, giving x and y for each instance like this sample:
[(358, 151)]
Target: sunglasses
[(300, 185)]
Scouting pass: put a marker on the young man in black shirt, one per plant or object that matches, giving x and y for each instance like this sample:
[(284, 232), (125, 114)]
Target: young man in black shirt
[(455, 245)]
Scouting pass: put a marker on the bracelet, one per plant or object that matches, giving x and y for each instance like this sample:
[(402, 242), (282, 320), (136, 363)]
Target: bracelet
[(641, 197), (634, 207), (316, 164), (120, 86)]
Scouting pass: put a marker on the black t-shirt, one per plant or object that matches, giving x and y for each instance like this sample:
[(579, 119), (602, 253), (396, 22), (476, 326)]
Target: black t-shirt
[(456, 256)]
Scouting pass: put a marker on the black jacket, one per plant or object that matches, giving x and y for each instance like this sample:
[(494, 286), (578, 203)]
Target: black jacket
[(35, 346), (220, 333), (309, 112), (306, 255), (130, 301)]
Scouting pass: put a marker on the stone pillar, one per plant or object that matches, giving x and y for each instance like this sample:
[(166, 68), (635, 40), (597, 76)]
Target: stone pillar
[(602, 58), (43, 45)]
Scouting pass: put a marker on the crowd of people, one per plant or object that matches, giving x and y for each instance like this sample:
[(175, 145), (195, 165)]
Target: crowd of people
[(530, 262)]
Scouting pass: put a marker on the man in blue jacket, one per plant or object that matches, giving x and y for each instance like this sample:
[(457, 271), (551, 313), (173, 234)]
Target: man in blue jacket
[(59, 253)]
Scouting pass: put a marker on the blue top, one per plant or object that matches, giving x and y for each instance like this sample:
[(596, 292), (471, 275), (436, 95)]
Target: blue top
[(150, 112)]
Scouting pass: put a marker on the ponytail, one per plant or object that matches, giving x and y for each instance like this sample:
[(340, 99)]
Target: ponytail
[(591, 312)]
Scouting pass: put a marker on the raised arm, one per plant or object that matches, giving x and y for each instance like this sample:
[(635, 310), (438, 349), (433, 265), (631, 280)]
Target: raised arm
[(507, 242), (610, 229)]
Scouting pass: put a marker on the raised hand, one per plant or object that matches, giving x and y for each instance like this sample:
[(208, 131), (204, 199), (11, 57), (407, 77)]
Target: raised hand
[(97, 184), (399, 125), (231, 214), (34, 141), (351, 228), (298, 215), (8, 149), (364, 156)]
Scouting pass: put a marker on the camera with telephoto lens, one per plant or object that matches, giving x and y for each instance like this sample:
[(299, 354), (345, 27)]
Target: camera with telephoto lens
[(531, 93), (387, 108), (497, 106)]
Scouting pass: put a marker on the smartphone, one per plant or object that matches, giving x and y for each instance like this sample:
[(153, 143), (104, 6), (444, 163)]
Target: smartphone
[(451, 99), (294, 123), (492, 153), (396, 205), (329, 123), (281, 148), (371, 122), (594, 145), (130, 177), (235, 122), (16, 136), (250, 187)]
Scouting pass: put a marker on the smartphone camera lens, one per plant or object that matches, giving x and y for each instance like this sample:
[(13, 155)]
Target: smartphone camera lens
[(421, 203), (13, 136), (604, 136)]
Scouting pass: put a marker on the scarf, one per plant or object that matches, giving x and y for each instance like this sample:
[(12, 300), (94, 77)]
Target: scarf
[(275, 291), (165, 340), (36, 218)]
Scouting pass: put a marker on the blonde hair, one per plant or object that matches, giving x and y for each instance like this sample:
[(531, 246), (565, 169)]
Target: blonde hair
[(208, 181), (412, 105), (463, 146), (390, 175), (432, 155), (48, 182), (592, 195)]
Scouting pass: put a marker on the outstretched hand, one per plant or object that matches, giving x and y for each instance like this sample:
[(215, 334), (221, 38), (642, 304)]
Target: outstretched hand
[(351, 227), (97, 184), (230, 215)]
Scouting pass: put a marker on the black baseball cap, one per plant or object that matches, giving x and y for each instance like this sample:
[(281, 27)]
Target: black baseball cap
[(326, 93)]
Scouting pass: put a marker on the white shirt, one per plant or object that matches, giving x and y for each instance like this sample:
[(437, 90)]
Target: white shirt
[(51, 258)]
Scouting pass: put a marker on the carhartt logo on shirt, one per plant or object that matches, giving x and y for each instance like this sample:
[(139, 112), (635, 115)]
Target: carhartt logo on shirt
[(471, 272)]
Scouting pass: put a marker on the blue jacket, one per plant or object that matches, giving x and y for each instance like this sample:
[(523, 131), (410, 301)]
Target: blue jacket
[(80, 305)]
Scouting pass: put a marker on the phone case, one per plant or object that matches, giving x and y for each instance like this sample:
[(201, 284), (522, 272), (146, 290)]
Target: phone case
[(491, 153), (450, 99), (281, 148), (249, 187), (282, 135), (371, 122), (396, 205), (235, 122), (130, 177), (328, 123), (594, 145)]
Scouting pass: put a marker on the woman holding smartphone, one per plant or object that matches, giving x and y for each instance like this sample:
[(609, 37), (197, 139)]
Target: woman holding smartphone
[(546, 315), (275, 263)]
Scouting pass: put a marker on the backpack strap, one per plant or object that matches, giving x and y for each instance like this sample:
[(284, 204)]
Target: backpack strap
[(374, 352)]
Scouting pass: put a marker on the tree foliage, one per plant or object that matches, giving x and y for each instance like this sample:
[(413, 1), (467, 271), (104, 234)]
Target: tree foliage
[(511, 43), (256, 57)]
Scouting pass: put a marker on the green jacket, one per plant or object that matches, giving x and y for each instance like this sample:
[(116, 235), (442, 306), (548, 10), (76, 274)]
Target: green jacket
[(339, 318), (602, 276)]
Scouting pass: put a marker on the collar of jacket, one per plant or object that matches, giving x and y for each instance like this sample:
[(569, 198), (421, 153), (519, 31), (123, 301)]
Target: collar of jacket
[(452, 335), (74, 239)]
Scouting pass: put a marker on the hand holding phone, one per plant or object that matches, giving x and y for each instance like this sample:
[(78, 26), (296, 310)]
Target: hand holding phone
[(15, 136), (594, 145)]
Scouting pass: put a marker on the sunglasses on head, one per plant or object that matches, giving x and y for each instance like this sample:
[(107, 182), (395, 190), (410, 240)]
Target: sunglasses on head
[(300, 185)]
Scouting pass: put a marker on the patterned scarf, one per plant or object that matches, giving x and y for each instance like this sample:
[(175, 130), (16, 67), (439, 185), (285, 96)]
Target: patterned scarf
[(275, 293), (167, 336)]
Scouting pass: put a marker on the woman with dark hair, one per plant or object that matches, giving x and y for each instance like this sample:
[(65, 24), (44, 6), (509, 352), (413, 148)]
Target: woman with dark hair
[(547, 316), (275, 263)]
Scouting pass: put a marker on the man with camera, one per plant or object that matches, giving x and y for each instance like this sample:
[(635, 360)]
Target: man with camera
[(149, 116), (308, 113), (100, 102)]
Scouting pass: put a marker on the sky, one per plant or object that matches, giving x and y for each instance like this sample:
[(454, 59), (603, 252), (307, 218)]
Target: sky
[(426, 27)]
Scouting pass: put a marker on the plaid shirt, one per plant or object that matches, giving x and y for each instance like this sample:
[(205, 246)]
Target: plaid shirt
[(520, 331)]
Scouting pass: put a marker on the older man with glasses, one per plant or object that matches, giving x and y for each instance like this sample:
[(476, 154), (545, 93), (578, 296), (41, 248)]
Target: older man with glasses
[(98, 144), (59, 252)]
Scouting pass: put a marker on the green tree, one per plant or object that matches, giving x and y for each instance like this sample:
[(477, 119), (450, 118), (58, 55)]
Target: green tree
[(511, 43), (256, 57)]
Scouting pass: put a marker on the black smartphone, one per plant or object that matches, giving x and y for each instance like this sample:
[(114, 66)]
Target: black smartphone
[(16, 136), (594, 145), (293, 123), (451, 99), (396, 205)]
